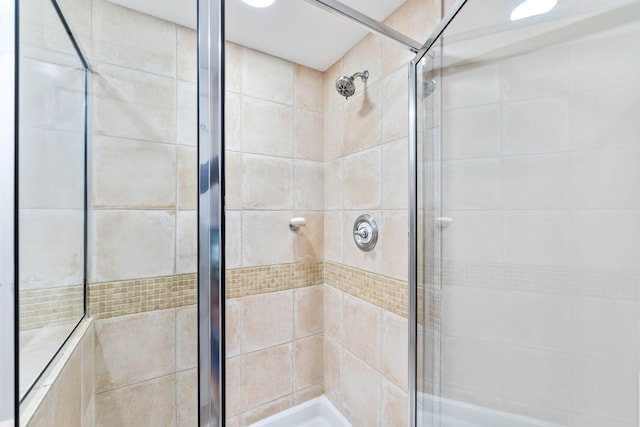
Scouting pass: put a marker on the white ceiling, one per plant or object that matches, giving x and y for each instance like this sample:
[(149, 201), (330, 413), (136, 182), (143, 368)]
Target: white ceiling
[(289, 29)]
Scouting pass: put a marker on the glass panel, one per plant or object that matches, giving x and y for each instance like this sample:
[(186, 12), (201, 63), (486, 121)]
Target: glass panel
[(52, 188), (530, 190), (7, 256)]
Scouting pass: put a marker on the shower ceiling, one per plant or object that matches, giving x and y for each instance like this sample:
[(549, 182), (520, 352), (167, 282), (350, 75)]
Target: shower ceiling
[(290, 29)]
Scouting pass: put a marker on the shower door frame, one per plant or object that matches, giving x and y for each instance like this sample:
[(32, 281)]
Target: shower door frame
[(210, 92), (413, 206)]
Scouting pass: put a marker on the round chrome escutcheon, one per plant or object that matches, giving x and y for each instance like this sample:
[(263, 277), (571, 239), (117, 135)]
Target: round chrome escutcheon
[(365, 232)]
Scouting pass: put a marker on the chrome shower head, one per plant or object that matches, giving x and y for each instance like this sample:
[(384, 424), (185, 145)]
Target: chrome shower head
[(345, 85)]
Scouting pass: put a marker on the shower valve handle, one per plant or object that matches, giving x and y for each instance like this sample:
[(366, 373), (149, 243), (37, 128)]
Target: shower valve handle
[(361, 232)]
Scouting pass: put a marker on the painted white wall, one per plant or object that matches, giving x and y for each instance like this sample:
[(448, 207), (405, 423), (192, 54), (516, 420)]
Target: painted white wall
[(7, 86)]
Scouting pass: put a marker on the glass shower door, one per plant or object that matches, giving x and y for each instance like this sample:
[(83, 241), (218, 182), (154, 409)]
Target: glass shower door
[(528, 216)]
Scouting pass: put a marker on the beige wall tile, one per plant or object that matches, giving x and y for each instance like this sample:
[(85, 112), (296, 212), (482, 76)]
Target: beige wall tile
[(264, 411), (334, 130), (187, 178), (149, 403), (333, 312), (394, 244), (309, 135), (266, 238), (395, 106), (361, 389), (361, 329), (233, 175), (134, 104), (133, 174), (308, 85), (266, 375), (309, 393), (233, 327), (43, 416), (363, 126), (67, 393), (267, 182), (51, 169), (132, 244), (395, 408), (332, 364), (550, 132), (233, 59), (309, 240), (331, 97), (309, 185), (233, 121), (187, 398), (187, 242), (416, 18), (395, 174), (88, 372), (333, 235), (363, 180), (233, 386), (233, 422), (267, 77), (187, 54), (465, 126), (308, 362), (122, 36), (395, 345), (233, 239), (394, 56), (122, 357), (334, 184), (40, 231), (308, 311), (186, 338), (187, 118), (267, 127), (267, 320), (366, 55)]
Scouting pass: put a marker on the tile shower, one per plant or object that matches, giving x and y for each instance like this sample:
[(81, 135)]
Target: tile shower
[(528, 300), (288, 294)]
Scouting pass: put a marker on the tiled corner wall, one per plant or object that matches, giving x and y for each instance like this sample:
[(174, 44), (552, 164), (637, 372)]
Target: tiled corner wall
[(146, 369), (64, 396), (143, 199), (366, 171), (274, 166)]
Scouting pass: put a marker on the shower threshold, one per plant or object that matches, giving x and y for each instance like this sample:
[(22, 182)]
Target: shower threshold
[(318, 412)]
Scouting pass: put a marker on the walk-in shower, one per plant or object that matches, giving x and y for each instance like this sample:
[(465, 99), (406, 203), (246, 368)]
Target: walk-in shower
[(448, 237)]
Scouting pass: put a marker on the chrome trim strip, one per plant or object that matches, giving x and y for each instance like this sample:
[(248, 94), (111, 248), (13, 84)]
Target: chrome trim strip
[(444, 23), (413, 240), (8, 162), (371, 24), (210, 212)]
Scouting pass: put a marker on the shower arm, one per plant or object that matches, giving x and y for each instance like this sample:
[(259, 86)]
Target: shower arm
[(363, 75)]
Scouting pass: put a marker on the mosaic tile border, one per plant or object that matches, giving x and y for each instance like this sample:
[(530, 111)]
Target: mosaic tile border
[(38, 308), (242, 282), (113, 299), (387, 293)]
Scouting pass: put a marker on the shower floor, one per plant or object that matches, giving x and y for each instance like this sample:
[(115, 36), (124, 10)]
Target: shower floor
[(318, 412)]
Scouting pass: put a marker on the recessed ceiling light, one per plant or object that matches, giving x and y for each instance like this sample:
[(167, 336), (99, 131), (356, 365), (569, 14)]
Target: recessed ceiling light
[(530, 8), (259, 3)]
